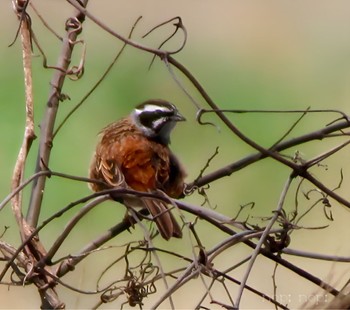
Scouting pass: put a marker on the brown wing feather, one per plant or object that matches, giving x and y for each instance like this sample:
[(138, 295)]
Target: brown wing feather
[(164, 219), (106, 169), (125, 158)]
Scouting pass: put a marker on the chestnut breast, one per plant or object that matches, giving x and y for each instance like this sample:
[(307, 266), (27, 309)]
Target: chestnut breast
[(145, 164)]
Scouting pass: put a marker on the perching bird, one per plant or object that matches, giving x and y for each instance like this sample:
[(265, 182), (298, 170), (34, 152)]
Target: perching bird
[(134, 152)]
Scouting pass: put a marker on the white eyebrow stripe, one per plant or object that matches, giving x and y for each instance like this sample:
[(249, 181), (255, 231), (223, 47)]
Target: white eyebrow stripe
[(153, 108), (158, 122)]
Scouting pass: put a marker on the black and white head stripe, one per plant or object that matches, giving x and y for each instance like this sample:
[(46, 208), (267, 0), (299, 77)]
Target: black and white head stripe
[(156, 118)]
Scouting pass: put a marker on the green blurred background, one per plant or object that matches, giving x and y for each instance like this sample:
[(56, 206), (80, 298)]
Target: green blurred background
[(247, 55)]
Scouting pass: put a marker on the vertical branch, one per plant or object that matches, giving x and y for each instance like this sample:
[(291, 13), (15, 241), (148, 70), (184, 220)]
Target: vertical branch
[(49, 297), (73, 28), (262, 239), (29, 135)]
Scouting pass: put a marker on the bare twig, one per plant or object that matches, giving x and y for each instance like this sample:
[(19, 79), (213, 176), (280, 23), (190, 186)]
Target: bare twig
[(291, 128), (178, 25), (250, 159), (47, 126), (68, 264), (71, 224), (29, 134), (321, 157), (79, 104), (224, 119), (318, 256), (83, 10), (45, 23), (262, 239)]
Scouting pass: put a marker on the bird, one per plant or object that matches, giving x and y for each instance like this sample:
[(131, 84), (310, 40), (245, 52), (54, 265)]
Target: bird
[(134, 153)]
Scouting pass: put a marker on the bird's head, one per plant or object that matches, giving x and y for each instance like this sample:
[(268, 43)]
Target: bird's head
[(156, 118)]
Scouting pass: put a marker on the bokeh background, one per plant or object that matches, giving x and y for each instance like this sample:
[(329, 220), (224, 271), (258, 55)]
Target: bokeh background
[(247, 55)]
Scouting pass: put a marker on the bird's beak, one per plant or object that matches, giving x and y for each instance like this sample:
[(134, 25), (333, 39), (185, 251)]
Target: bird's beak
[(178, 117)]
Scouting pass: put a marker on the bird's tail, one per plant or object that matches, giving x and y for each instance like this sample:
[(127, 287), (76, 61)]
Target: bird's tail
[(164, 219)]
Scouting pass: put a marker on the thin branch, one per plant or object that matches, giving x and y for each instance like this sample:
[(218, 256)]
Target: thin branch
[(228, 170), (318, 256), (71, 224), (326, 190), (155, 254), (29, 134), (45, 23), (224, 119), (325, 155), (48, 123), (68, 265), (303, 112), (291, 128), (250, 159), (178, 25), (44, 223), (47, 173), (251, 289), (190, 272), (102, 78), (262, 239), (83, 10)]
